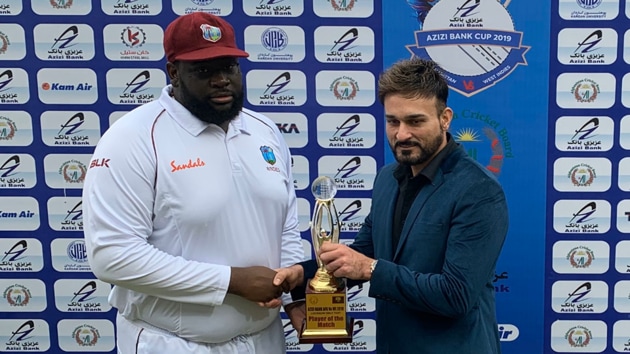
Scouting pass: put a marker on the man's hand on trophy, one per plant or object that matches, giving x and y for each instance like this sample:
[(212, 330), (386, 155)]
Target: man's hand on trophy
[(344, 262), (254, 283)]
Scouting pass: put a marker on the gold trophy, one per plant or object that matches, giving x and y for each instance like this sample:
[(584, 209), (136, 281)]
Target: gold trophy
[(326, 318)]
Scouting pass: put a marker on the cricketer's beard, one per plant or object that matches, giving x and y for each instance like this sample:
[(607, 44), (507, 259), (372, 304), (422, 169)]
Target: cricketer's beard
[(206, 112)]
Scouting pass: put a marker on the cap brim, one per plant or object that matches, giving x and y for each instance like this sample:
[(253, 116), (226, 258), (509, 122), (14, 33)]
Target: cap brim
[(212, 53)]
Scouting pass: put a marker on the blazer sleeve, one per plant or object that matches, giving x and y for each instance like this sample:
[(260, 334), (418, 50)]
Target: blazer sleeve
[(474, 238)]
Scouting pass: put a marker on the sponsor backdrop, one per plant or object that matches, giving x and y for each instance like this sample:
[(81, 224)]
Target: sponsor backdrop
[(539, 92)]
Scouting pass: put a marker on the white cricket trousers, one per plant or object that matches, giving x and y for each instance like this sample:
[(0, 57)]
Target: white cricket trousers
[(137, 337)]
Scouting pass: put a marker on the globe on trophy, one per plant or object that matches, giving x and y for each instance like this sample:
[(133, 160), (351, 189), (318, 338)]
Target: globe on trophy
[(326, 319)]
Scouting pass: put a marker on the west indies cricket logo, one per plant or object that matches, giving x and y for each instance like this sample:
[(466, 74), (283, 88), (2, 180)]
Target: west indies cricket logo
[(473, 41)]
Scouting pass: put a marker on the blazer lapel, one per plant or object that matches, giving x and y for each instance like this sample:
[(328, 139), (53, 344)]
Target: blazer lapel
[(383, 246), (424, 194)]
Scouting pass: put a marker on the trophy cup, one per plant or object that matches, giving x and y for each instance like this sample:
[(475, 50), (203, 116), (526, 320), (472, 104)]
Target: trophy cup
[(326, 318)]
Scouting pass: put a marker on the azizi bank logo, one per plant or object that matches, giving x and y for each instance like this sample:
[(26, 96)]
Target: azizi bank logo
[(474, 41)]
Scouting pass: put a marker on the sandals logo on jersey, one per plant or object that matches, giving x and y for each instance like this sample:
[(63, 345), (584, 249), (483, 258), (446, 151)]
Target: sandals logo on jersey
[(17, 295), (185, 166), (270, 158), (474, 41)]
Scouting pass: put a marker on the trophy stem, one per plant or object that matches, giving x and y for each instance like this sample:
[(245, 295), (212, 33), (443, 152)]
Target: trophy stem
[(325, 282)]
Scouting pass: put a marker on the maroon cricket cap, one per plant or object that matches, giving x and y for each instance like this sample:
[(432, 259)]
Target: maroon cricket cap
[(200, 36)]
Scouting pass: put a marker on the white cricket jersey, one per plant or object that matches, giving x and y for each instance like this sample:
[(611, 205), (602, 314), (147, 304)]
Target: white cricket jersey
[(171, 202)]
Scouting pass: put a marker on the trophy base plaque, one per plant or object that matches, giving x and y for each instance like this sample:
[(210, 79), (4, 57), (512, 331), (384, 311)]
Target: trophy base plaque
[(326, 318)]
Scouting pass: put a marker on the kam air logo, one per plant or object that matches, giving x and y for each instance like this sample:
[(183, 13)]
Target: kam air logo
[(473, 40)]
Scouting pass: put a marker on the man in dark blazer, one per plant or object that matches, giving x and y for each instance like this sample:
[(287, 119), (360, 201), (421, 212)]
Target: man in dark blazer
[(437, 224)]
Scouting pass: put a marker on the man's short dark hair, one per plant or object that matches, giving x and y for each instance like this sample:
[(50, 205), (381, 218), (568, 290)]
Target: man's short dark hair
[(414, 78)]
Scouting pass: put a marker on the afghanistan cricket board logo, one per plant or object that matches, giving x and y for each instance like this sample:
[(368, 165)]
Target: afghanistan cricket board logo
[(474, 41)]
